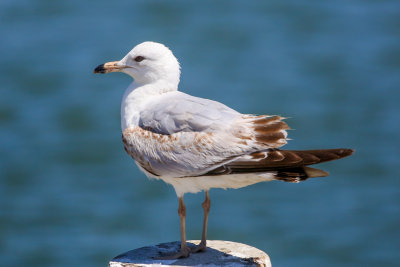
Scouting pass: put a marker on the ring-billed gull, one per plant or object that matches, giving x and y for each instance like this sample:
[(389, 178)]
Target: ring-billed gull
[(196, 144)]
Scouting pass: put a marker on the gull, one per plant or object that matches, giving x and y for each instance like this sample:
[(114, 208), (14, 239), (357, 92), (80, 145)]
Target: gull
[(196, 144)]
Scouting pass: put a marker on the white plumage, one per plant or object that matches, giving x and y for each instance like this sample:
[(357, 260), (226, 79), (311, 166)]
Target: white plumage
[(172, 135), (196, 144)]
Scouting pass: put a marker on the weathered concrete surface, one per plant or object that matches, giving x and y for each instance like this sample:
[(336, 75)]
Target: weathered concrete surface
[(219, 253)]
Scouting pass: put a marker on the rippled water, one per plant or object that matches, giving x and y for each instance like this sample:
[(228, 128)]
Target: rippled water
[(69, 196)]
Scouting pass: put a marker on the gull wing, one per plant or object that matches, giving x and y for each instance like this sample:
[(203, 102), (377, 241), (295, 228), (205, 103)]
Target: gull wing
[(178, 112), (184, 136), (288, 165)]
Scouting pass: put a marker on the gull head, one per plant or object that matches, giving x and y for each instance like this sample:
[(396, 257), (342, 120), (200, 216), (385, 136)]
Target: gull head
[(146, 63)]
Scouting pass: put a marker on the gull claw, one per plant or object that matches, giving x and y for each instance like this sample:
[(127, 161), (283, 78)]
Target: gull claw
[(202, 247), (183, 253)]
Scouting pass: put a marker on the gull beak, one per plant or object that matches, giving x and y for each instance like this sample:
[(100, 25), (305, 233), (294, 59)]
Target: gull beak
[(109, 67)]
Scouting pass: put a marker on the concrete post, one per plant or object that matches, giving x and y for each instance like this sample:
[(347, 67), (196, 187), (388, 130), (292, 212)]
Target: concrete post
[(219, 253)]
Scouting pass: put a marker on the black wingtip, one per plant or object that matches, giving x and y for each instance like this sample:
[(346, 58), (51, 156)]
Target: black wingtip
[(345, 152)]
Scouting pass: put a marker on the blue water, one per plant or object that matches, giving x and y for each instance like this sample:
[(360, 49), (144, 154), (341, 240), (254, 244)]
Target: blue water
[(70, 196)]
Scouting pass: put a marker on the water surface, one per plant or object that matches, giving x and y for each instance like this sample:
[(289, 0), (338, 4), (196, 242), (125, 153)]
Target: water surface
[(70, 196)]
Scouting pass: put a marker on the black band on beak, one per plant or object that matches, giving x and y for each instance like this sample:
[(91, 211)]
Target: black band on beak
[(100, 69)]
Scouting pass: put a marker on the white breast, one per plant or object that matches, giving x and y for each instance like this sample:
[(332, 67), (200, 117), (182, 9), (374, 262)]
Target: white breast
[(201, 183)]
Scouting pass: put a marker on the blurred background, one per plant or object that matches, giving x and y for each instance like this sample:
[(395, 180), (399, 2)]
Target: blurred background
[(70, 196)]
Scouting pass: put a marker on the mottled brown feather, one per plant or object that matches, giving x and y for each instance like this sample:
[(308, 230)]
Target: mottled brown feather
[(138, 158), (275, 155), (270, 131), (258, 155), (272, 127), (285, 161), (269, 138), (262, 119)]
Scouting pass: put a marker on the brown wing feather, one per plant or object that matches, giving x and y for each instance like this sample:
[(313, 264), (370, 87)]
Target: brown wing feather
[(268, 130), (289, 164)]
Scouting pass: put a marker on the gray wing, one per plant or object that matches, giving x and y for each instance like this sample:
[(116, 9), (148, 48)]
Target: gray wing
[(180, 135), (178, 112)]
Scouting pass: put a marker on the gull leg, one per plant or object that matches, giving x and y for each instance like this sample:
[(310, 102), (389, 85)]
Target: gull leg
[(185, 250), (206, 207)]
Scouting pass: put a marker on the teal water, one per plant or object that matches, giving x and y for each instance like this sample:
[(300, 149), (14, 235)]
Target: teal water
[(70, 196)]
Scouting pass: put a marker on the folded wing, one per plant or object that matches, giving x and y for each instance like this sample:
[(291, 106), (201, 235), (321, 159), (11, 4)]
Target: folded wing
[(181, 136)]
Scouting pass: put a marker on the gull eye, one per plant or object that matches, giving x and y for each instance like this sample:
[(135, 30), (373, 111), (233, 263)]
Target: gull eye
[(139, 58)]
